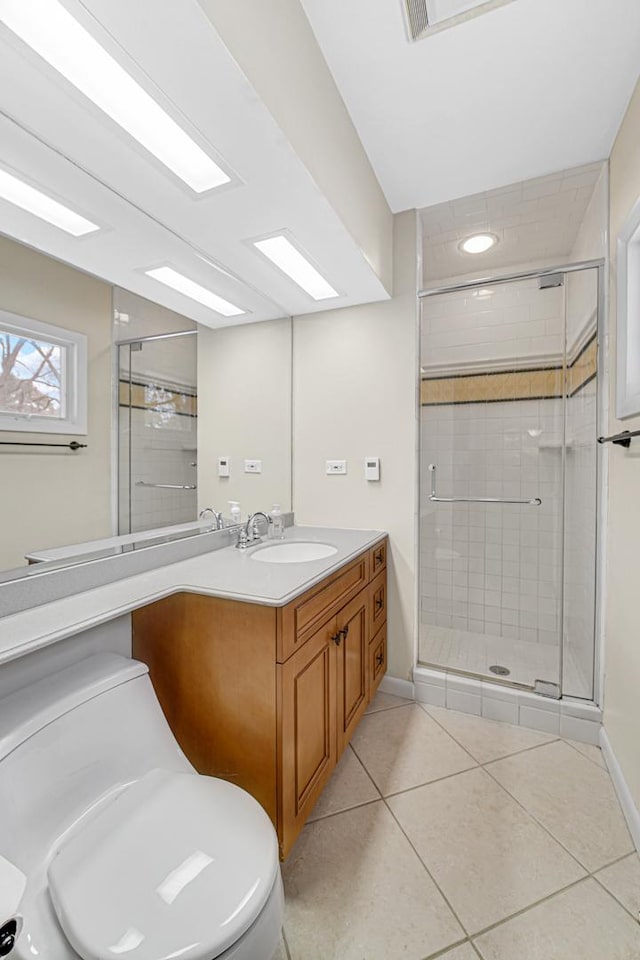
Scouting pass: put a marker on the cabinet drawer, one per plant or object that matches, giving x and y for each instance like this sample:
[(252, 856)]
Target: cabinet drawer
[(378, 557), (378, 602), (377, 659), (300, 618)]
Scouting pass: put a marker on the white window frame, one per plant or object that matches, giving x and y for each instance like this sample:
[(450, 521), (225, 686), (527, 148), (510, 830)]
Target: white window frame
[(74, 381), (628, 317)]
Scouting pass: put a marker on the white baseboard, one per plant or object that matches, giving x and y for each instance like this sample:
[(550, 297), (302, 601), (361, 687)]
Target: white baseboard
[(631, 812), (397, 687)]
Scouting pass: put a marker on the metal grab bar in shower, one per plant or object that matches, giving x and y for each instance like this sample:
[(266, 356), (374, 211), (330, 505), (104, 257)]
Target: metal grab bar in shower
[(434, 498), (166, 486)]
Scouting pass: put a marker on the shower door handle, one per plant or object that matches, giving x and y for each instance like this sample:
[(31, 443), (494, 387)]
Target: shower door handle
[(434, 498)]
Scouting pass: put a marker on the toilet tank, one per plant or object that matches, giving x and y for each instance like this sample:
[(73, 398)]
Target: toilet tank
[(69, 743)]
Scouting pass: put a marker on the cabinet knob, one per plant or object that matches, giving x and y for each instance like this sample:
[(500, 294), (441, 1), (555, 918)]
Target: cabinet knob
[(380, 659), (341, 635), (379, 602), (378, 557)]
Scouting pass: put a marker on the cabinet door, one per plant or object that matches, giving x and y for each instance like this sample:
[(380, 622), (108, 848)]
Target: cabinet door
[(307, 690), (352, 641)]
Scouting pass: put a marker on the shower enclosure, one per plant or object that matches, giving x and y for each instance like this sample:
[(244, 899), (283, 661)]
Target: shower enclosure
[(508, 479), (157, 431)]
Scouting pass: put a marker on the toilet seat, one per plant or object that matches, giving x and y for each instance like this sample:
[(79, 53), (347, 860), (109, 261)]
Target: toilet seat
[(177, 866)]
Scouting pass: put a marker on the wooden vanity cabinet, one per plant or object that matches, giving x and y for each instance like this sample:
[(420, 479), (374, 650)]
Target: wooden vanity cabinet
[(268, 697)]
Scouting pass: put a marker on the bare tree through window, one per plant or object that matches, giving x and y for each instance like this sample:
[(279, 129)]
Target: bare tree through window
[(30, 376)]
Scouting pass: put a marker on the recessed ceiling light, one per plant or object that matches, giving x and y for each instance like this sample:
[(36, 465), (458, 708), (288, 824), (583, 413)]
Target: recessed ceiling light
[(59, 39), (478, 243), (177, 281), (288, 258), (40, 205)]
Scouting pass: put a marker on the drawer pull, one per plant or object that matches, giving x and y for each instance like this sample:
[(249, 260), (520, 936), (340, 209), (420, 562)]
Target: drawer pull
[(379, 603), (340, 636), (380, 659), (378, 558)]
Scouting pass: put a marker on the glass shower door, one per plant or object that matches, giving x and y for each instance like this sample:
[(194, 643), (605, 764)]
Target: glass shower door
[(157, 432), (492, 424)]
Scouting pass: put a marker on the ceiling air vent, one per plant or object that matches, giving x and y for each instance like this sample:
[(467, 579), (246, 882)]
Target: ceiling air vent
[(430, 16), (417, 17)]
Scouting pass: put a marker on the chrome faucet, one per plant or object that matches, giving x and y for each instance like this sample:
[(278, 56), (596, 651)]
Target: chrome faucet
[(248, 533), (216, 516)]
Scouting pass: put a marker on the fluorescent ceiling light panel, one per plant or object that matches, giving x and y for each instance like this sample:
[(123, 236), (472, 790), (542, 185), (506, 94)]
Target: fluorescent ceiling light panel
[(49, 29), (285, 256), (40, 205), (177, 281)]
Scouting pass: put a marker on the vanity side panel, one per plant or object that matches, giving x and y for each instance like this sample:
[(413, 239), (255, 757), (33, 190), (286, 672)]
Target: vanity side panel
[(213, 666)]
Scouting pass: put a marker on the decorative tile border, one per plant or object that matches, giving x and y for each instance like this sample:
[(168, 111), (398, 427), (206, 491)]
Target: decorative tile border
[(538, 383), (157, 397)]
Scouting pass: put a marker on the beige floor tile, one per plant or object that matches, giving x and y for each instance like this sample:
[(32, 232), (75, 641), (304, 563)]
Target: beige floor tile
[(591, 751), (464, 952), (583, 923), (488, 856), (281, 952), (385, 701), (404, 748), (349, 786), (572, 798), (622, 879), (486, 740), (355, 889)]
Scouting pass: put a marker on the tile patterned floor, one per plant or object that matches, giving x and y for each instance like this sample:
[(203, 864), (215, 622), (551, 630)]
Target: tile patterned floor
[(442, 835)]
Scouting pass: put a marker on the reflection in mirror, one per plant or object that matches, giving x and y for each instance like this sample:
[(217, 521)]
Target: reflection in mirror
[(225, 391)]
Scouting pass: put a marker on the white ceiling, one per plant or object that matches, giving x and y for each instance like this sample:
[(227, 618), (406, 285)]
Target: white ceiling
[(60, 142), (527, 89), (535, 221)]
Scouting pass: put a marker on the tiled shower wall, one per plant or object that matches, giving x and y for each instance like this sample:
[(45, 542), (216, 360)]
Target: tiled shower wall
[(493, 568)]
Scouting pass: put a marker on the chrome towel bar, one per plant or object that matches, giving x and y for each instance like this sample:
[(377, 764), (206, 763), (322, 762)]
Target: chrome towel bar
[(434, 498), (166, 486)]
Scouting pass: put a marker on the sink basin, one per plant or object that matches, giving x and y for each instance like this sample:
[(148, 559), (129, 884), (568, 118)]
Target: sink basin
[(296, 551)]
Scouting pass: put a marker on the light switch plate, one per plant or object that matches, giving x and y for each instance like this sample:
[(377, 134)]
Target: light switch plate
[(253, 466), (336, 466), (224, 466)]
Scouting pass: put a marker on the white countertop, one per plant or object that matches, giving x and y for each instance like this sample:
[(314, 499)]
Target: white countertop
[(114, 543), (229, 573)]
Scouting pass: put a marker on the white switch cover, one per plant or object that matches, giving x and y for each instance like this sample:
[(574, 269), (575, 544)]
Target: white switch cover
[(253, 466), (223, 466), (336, 466)]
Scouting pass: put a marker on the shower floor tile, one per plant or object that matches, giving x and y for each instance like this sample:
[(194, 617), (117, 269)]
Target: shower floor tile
[(475, 653), (502, 861)]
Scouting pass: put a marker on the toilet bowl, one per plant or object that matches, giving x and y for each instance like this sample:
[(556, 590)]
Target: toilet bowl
[(126, 850)]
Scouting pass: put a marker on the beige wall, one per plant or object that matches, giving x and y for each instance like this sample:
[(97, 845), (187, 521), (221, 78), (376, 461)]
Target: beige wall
[(50, 498), (274, 45), (244, 412), (355, 396), (622, 637)]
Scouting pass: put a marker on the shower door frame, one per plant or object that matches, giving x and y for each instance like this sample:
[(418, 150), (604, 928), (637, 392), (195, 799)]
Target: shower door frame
[(116, 503), (599, 266)]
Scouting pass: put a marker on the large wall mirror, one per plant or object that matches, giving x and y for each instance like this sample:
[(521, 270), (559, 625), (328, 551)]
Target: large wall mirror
[(179, 416)]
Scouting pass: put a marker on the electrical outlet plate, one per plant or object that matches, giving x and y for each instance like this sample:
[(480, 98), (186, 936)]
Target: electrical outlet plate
[(223, 466), (253, 466), (336, 466)]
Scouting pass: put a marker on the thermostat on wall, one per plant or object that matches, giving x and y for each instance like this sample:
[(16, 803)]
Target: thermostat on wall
[(372, 468)]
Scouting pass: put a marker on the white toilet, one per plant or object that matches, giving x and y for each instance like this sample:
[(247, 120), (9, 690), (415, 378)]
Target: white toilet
[(127, 851)]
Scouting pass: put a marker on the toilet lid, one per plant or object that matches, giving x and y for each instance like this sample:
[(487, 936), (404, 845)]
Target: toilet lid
[(177, 866)]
